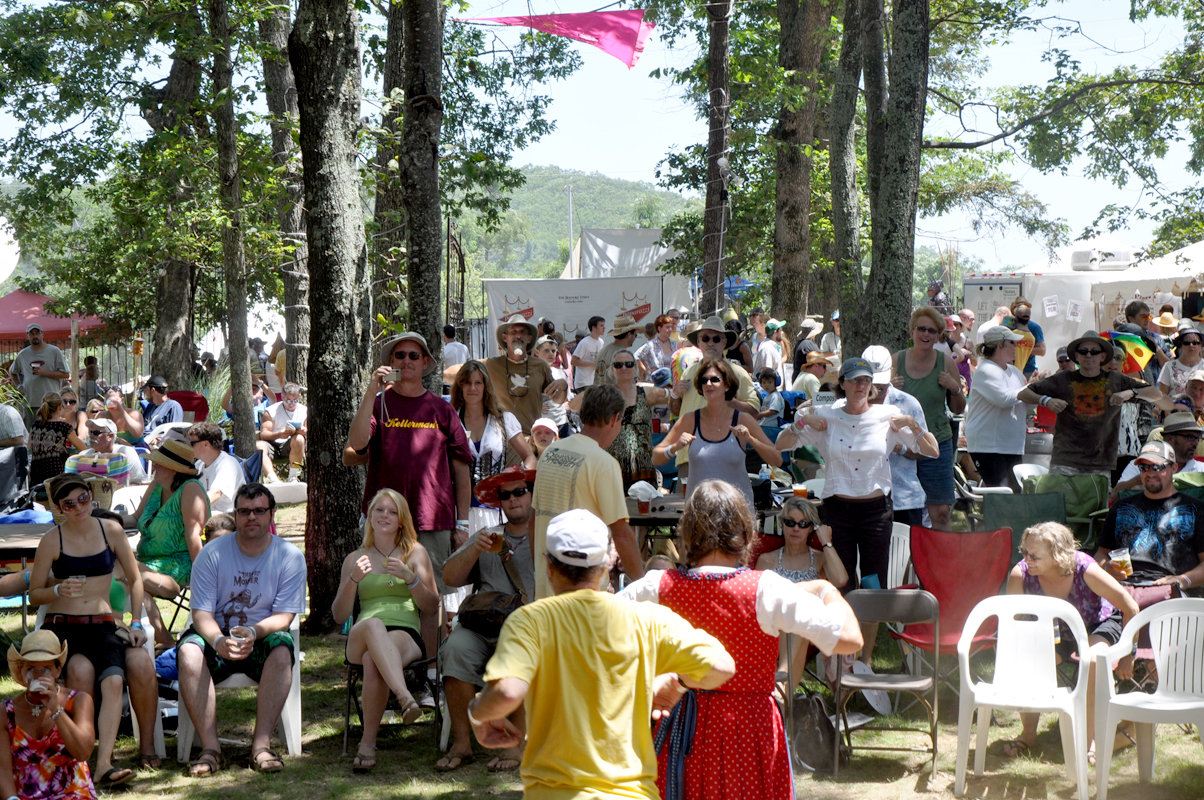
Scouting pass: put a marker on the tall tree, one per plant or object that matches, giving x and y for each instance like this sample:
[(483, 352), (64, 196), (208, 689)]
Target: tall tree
[(842, 161), (282, 108), (234, 262), (389, 230), (422, 67), (714, 218), (325, 55), (804, 33)]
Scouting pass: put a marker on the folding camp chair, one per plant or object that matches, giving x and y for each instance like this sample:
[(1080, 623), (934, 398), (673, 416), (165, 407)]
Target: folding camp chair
[(1020, 512), (959, 569), (1086, 498)]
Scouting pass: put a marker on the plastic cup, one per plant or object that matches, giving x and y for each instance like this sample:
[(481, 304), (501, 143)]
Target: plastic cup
[(645, 506), (495, 546), (1120, 556), (81, 579), (656, 425), (36, 366), (800, 490)]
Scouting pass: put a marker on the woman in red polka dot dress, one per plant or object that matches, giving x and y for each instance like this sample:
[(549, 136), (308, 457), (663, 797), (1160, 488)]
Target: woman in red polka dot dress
[(738, 747)]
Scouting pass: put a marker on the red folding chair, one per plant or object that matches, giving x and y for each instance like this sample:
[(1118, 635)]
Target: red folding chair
[(192, 403), (959, 569)]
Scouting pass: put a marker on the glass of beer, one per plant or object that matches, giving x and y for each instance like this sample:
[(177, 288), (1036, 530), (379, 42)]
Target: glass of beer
[(1120, 556), (495, 544), (800, 490)]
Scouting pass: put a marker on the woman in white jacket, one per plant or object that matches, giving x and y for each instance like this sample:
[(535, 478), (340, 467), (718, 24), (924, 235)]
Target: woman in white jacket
[(995, 418)]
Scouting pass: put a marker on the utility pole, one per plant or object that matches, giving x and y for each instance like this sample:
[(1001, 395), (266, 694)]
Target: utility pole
[(570, 188)]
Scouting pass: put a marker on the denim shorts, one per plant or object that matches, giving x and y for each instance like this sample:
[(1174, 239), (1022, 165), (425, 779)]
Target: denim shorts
[(936, 476)]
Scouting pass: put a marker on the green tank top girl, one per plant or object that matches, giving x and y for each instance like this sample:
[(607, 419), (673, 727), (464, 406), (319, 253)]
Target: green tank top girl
[(392, 605), (931, 395)]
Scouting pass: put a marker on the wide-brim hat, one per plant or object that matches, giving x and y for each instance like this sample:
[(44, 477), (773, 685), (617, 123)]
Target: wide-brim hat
[(809, 328), (715, 325), (517, 319), (486, 490), (1090, 336), (1180, 422), (819, 357), (386, 350), (41, 646), (1166, 320), (174, 455), (623, 326)]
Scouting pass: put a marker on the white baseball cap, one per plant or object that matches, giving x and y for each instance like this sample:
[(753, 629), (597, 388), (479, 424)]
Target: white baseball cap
[(103, 424), (544, 422), (880, 359), (579, 538)]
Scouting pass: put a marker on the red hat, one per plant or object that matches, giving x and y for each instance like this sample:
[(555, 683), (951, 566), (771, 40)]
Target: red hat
[(486, 490)]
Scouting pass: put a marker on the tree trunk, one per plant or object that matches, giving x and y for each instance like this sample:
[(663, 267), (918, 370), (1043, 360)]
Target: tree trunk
[(894, 126), (803, 39), (282, 105), (420, 130), (842, 155), (714, 217), (234, 264), (324, 52), (389, 238)]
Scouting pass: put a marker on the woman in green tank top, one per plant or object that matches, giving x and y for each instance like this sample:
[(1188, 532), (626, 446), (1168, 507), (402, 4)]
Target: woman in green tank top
[(392, 577), (931, 377)]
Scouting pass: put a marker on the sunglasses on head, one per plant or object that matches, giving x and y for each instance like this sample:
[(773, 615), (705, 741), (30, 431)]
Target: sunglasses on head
[(800, 523), (402, 355), (85, 498), (711, 339), (1090, 352), (624, 365), (712, 379)]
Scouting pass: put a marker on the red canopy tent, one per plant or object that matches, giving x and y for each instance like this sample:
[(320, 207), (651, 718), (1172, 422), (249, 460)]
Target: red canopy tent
[(19, 308)]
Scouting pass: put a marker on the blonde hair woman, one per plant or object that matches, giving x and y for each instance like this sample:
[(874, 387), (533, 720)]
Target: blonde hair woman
[(1053, 566), (392, 577)]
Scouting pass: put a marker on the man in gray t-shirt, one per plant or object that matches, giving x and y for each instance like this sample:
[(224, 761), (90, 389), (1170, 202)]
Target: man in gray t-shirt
[(41, 367), (481, 563)]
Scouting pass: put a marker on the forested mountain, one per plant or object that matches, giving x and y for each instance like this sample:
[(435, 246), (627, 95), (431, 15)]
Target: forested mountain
[(534, 238)]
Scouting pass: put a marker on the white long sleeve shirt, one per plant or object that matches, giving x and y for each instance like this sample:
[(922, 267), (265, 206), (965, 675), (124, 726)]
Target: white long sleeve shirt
[(995, 419)]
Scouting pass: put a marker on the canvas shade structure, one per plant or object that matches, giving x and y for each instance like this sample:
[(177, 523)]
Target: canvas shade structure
[(19, 308)]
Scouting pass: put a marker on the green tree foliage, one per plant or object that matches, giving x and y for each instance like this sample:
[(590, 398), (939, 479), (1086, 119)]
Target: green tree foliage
[(945, 264)]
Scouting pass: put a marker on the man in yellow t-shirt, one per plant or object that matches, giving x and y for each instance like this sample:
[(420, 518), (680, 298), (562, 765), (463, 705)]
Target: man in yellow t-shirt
[(577, 472), (593, 670)]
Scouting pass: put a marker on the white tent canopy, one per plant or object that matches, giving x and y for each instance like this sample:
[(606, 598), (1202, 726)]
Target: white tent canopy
[(617, 253)]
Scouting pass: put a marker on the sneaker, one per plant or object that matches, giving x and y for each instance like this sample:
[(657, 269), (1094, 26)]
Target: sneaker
[(294, 473), (271, 477), (425, 699)]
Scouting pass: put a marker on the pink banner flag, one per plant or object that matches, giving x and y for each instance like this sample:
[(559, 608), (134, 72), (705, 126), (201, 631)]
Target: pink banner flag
[(618, 33)]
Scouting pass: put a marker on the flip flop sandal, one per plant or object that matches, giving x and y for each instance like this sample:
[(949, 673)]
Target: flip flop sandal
[(1019, 748), (115, 776), (149, 761), (461, 761), (496, 764), (210, 760), (271, 764), (359, 763), (411, 713)]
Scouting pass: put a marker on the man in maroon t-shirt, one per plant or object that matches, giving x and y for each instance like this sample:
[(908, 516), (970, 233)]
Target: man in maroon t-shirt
[(416, 444)]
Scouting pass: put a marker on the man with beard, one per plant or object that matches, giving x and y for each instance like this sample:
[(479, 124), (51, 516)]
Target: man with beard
[(520, 381)]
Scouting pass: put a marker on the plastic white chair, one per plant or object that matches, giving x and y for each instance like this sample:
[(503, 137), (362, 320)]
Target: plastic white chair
[(1177, 638), (815, 487), (1022, 471), (1025, 678), (127, 498), (290, 715), (899, 571)]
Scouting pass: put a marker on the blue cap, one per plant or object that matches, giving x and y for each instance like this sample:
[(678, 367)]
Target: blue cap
[(855, 368), (661, 377)]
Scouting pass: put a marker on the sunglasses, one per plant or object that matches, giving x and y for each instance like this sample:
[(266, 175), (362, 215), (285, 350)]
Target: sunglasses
[(506, 494), (70, 402), (1152, 467), (84, 499), (801, 523), (712, 339), (195, 442), (929, 331), (1090, 352), (402, 355), (251, 512), (1190, 343), (624, 365), (1027, 554), (712, 379), (98, 434), (1060, 360)]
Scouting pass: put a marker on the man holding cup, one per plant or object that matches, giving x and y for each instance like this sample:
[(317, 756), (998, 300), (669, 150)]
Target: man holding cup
[(41, 368), (494, 560), (1162, 529), (246, 589)]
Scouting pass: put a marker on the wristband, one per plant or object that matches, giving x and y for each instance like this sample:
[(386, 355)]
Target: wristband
[(56, 589), (462, 523), (136, 624), (217, 640), (473, 720), (1186, 582), (26, 579), (413, 583)]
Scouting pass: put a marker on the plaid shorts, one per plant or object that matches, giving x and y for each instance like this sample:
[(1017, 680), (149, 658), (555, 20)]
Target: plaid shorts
[(251, 666)]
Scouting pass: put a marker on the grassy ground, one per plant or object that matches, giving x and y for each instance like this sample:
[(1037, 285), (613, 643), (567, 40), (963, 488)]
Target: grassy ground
[(406, 755)]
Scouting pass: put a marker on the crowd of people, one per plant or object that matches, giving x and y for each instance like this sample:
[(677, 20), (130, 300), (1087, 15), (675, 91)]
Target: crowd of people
[(507, 499)]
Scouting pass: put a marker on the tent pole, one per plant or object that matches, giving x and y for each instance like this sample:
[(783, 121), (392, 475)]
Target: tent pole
[(75, 357)]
